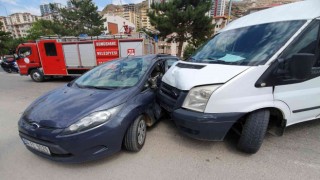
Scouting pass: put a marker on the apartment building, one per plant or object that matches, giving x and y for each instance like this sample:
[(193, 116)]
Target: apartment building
[(143, 20), (218, 8), (46, 9), (18, 23)]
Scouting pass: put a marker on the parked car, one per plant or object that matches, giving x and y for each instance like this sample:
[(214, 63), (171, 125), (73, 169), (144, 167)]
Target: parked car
[(261, 73), (94, 115)]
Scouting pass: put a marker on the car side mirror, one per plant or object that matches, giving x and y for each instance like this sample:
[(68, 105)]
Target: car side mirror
[(300, 65)]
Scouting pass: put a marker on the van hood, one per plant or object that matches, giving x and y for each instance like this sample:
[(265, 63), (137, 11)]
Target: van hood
[(185, 75), (66, 105)]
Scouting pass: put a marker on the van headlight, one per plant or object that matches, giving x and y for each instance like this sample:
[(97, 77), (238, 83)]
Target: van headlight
[(198, 97), (92, 120)]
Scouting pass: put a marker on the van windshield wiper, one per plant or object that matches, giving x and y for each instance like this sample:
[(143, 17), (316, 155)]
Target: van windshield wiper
[(191, 59)]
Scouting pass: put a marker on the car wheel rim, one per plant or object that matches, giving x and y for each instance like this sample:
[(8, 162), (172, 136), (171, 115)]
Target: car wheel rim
[(36, 76), (141, 132)]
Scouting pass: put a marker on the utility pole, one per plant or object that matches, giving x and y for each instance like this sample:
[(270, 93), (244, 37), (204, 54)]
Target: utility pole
[(11, 25), (229, 14)]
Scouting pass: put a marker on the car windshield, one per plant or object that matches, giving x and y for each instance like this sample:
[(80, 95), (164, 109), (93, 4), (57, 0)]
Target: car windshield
[(248, 46), (122, 73)]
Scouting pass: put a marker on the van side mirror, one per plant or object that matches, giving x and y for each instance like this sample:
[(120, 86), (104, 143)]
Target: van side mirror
[(300, 65)]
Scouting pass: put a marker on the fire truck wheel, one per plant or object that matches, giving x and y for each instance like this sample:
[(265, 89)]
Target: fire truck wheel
[(37, 75)]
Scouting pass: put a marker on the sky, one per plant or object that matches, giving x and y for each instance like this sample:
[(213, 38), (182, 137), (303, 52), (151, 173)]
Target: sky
[(33, 6)]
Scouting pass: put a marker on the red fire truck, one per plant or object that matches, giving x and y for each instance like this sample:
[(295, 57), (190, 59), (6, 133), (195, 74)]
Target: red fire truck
[(70, 56)]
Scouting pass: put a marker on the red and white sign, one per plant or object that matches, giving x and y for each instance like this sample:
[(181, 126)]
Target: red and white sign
[(108, 53), (106, 43), (131, 52)]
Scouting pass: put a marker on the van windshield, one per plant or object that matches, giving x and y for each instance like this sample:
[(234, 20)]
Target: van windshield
[(248, 46), (122, 73)]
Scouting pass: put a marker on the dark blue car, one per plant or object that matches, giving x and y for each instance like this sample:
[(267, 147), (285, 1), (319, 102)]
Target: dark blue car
[(107, 108)]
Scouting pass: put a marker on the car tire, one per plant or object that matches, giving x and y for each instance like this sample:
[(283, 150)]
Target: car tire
[(136, 135), (254, 131), (37, 75), (8, 70)]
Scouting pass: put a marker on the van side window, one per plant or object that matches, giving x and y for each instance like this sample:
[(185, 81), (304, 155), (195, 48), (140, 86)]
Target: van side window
[(307, 43), (50, 49)]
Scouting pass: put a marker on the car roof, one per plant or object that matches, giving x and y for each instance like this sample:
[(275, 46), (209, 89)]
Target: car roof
[(303, 10)]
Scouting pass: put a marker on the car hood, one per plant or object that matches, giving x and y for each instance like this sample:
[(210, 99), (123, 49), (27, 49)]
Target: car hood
[(185, 75), (66, 105)]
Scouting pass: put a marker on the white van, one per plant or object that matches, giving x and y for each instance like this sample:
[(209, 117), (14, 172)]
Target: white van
[(261, 72)]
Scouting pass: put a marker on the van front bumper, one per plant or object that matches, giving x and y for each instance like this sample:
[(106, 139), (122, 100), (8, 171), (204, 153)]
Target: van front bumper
[(205, 126)]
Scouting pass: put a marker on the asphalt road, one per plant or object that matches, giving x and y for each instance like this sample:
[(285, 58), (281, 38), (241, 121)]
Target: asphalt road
[(166, 154)]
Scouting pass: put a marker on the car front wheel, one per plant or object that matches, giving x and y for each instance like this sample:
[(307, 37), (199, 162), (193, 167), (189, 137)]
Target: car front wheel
[(136, 135)]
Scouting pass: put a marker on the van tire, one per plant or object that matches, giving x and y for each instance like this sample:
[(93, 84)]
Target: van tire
[(254, 131), (136, 135), (37, 75)]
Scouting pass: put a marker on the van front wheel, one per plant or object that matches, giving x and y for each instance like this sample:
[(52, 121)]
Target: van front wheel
[(37, 75), (254, 131)]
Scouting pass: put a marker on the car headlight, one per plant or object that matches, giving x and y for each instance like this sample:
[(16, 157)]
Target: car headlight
[(198, 97), (92, 120)]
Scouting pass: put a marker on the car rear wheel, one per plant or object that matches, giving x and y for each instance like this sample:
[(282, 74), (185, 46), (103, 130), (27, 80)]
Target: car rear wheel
[(253, 132), (136, 135), (37, 75)]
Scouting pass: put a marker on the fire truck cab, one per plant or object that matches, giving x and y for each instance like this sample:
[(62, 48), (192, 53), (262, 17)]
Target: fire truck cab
[(71, 56)]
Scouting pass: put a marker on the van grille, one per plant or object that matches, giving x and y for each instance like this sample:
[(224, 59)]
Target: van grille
[(170, 91)]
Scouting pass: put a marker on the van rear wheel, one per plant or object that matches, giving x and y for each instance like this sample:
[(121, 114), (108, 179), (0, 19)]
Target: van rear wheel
[(37, 75), (254, 131)]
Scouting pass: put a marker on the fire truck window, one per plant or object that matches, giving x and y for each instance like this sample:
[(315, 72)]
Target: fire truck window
[(50, 49), (24, 51)]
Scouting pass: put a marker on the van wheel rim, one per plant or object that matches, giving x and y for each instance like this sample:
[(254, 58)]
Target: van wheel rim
[(141, 132), (36, 76)]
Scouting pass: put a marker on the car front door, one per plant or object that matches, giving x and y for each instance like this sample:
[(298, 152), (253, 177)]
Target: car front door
[(302, 97), (150, 90)]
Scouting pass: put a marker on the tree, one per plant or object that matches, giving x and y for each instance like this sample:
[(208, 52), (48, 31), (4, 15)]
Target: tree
[(4, 39), (188, 51), (186, 18), (13, 43), (83, 18), (43, 28)]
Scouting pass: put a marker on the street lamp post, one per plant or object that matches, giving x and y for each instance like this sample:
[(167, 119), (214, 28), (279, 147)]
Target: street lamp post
[(229, 14), (10, 29)]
